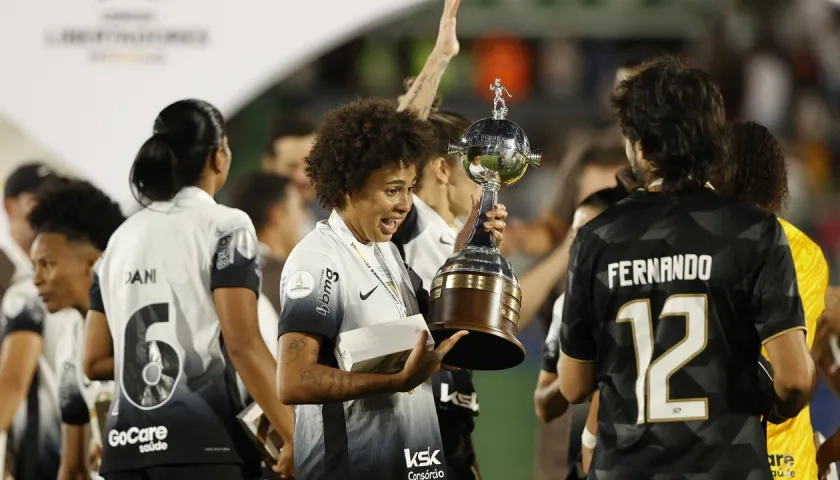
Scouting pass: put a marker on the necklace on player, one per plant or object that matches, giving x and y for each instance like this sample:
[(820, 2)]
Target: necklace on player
[(337, 224), (391, 290)]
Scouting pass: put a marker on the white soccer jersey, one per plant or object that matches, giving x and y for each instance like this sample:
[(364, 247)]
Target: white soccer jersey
[(77, 394), (429, 243), (37, 421), (332, 284), (176, 396)]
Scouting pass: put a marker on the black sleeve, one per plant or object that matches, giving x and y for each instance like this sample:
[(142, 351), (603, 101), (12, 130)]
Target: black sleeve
[(577, 337), (408, 229), (74, 409), (22, 314), (235, 262), (551, 348), (420, 292), (312, 295), (96, 295), (777, 305)]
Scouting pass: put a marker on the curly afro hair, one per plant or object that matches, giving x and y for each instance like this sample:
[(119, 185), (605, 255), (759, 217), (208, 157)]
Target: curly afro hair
[(359, 138), (676, 114), (78, 210), (756, 172)]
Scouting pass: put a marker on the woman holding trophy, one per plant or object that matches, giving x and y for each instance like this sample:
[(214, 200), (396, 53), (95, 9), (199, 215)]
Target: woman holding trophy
[(344, 276)]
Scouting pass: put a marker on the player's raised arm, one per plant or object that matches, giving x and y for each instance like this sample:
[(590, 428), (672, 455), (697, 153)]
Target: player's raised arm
[(421, 94), (780, 323), (578, 349)]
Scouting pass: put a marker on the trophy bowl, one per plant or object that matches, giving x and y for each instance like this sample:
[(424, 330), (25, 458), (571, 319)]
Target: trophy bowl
[(476, 289)]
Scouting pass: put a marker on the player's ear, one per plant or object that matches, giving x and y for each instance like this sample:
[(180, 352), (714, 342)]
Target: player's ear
[(220, 159), (440, 170)]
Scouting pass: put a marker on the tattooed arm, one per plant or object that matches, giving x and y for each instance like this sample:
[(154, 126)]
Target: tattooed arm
[(302, 380), (421, 94)]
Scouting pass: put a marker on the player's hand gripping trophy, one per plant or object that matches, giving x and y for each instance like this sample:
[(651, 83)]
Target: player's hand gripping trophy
[(476, 289)]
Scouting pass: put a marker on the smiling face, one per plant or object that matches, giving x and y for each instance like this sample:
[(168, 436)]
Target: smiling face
[(375, 212), (63, 271)]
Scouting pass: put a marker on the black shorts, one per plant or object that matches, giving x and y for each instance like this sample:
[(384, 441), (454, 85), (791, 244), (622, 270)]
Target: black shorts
[(181, 472)]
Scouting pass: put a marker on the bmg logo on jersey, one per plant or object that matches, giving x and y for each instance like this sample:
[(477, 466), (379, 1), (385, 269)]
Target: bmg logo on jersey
[(328, 278), (151, 439), (427, 459)]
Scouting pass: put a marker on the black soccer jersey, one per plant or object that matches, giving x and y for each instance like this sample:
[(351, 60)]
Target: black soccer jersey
[(672, 296)]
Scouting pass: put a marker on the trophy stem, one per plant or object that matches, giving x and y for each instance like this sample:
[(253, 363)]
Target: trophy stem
[(489, 197)]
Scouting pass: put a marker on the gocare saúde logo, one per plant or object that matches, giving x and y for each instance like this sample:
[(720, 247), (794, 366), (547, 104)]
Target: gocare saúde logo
[(148, 439)]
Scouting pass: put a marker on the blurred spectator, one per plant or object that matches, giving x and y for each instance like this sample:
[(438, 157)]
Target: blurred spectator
[(19, 197), (277, 211), (768, 84), (289, 141), (590, 165)]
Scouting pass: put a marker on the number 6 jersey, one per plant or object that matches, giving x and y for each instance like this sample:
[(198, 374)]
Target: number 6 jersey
[(176, 395), (672, 297)]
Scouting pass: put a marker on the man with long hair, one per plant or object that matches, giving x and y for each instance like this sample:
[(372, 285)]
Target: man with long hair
[(659, 291)]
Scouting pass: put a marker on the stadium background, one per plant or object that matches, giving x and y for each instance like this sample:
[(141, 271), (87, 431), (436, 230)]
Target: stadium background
[(778, 62)]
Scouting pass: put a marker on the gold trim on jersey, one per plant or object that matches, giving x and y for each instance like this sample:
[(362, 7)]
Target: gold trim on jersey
[(776, 335), (576, 359)]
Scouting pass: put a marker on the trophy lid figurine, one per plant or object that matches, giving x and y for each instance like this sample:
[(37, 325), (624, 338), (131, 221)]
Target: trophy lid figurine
[(476, 289)]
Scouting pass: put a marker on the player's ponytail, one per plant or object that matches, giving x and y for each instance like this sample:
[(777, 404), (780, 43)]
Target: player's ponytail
[(154, 176), (186, 135)]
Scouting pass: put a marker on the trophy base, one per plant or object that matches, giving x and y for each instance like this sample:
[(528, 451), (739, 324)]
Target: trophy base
[(482, 349), (485, 305)]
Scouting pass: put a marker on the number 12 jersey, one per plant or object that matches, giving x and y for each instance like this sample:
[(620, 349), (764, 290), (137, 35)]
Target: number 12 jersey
[(672, 297), (177, 395)]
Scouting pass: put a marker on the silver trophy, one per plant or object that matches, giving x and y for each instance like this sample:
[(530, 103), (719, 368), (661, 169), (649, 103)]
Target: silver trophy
[(476, 289)]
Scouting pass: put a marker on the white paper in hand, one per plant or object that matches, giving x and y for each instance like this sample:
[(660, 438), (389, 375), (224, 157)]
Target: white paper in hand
[(381, 348)]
